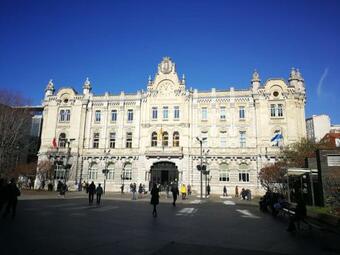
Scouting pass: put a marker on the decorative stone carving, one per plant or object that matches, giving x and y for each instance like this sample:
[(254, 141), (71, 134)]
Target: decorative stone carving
[(166, 65)]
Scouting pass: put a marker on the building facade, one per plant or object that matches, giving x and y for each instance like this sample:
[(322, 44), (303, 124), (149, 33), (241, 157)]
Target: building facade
[(154, 135)]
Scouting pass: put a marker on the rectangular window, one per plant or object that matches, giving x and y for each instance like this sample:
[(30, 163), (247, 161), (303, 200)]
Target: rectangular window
[(165, 112), (279, 110), (223, 141), (222, 113), (95, 140), (243, 177), (129, 140), (62, 116), (130, 115), (112, 140), (224, 176), (204, 113), (242, 139), (68, 115), (97, 116), (176, 112), (93, 174), (111, 174), (241, 112), (272, 110), (154, 113), (114, 115)]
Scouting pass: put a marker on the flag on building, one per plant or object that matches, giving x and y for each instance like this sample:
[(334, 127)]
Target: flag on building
[(54, 143), (277, 138)]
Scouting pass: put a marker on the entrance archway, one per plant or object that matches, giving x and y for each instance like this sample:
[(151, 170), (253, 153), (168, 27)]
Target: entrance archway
[(163, 173)]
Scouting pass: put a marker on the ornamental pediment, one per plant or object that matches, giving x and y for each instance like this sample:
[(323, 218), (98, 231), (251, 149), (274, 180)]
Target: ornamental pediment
[(166, 82)]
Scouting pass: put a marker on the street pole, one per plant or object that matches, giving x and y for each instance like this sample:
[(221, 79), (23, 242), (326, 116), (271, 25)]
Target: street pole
[(201, 167)]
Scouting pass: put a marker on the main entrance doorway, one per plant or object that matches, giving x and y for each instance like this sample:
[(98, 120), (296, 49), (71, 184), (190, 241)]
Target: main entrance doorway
[(163, 173)]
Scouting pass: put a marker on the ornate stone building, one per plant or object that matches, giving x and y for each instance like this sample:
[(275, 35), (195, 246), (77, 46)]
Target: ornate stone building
[(153, 135)]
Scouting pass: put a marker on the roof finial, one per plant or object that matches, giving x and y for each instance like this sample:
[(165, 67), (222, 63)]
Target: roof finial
[(50, 85), (149, 80), (256, 76), (293, 74), (87, 83)]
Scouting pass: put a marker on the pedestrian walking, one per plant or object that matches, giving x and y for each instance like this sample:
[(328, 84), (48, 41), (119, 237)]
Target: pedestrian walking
[(12, 198), (154, 199), (208, 190), (99, 192), (63, 189), (236, 191), (183, 191), (189, 189), (92, 190), (225, 191), (140, 191), (59, 186), (134, 190), (122, 189), (175, 193), (167, 190)]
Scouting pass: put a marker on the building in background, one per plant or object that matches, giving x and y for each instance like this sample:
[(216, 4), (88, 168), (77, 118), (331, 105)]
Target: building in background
[(36, 125), (154, 135), (317, 126)]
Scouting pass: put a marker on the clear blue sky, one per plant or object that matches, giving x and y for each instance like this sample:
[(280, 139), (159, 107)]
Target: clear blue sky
[(215, 43)]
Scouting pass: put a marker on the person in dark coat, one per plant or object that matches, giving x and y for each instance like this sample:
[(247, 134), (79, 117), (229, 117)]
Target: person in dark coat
[(175, 193), (224, 191), (63, 189), (300, 214), (154, 199), (99, 192), (12, 198), (92, 190), (3, 195)]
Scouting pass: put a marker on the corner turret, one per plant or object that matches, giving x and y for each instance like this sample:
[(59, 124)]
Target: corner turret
[(255, 81)]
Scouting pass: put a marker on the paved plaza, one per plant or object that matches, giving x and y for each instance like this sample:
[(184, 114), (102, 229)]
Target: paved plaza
[(47, 224)]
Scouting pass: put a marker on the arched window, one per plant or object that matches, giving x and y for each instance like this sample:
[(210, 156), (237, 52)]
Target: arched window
[(165, 139), (154, 139), (93, 171), (175, 139), (127, 172), (243, 175), (224, 172), (111, 172), (62, 140)]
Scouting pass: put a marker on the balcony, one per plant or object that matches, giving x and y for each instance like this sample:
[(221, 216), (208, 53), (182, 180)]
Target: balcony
[(164, 152)]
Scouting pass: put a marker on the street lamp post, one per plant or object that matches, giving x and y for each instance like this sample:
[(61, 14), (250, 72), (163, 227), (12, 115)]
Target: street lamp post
[(201, 164), (67, 166), (105, 170), (206, 172)]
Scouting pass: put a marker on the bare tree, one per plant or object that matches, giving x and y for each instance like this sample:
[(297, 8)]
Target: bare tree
[(14, 130), (272, 178), (45, 170)]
